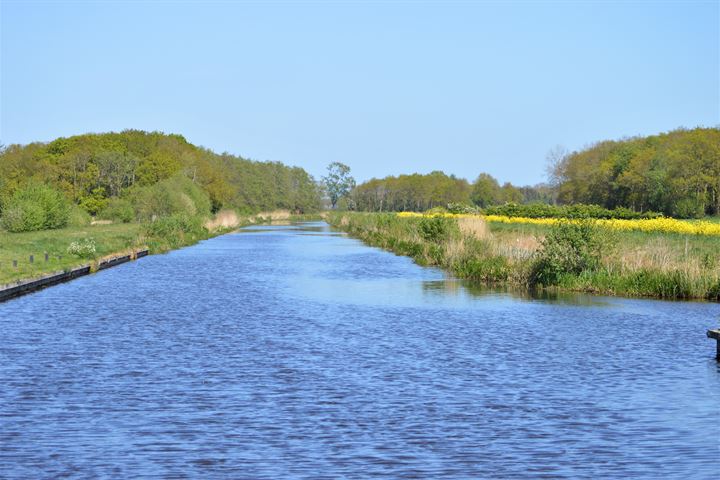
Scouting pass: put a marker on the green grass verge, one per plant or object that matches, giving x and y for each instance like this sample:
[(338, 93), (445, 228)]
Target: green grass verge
[(165, 234), (109, 239), (659, 265)]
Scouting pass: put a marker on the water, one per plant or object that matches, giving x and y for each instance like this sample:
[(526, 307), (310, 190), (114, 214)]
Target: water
[(292, 352)]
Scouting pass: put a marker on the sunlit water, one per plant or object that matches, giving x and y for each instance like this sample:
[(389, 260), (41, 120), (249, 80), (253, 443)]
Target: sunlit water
[(294, 351)]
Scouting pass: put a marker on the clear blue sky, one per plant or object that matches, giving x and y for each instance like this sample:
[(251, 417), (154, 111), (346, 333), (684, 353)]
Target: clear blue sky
[(387, 88)]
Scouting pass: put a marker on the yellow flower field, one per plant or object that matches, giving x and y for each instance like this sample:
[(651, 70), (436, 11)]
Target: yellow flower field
[(660, 225)]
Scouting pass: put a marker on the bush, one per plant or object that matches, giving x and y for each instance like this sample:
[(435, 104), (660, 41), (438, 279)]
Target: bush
[(689, 208), (35, 207), (85, 248), (23, 216), (576, 211), (436, 228), (94, 202), (78, 217), (169, 197), (174, 231), (118, 210), (436, 211), (570, 248), (463, 208)]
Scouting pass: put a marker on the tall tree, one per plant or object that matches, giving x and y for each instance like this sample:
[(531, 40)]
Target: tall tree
[(338, 182), (486, 191)]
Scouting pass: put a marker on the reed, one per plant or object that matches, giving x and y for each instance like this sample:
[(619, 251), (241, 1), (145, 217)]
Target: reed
[(632, 262)]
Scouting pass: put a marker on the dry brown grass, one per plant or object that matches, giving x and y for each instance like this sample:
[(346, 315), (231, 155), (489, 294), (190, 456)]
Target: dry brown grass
[(658, 254), (223, 219), (454, 249), (474, 227), (275, 215)]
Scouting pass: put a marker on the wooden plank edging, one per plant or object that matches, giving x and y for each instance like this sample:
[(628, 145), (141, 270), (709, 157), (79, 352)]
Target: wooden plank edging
[(23, 287)]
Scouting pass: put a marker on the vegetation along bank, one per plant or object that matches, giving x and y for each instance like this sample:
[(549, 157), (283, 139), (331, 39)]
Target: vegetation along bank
[(664, 259), (80, 199)]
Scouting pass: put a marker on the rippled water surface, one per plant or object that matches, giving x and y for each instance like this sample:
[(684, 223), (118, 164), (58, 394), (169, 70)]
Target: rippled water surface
[(294, 351)]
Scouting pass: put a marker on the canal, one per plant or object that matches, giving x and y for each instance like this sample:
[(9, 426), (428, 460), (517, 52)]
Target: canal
[(297, 352)]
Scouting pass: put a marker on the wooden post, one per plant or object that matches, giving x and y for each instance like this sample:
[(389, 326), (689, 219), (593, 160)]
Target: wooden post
[(716, 335), (32, 258), (15, 263), (46, 256)]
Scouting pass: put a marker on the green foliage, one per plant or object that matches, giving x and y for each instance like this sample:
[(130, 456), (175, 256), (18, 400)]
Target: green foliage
[(78, 217), (174, 231), (21, 215), (415, 192), (486, 191), (676, 173), (91, 169), (35, 207), (689, 208), (94, 201), (569, 249), (436, 228), (463, 208), (573, 257), (169, 197), (85, 248), (157, 166), (481, 268), (118, 210), (338, 182), (576, 211)]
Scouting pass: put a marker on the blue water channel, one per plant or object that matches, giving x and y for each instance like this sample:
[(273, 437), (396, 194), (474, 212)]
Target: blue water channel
[(297, 352)]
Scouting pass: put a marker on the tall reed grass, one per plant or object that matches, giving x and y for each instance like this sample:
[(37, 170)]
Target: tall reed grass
[(585, 256)]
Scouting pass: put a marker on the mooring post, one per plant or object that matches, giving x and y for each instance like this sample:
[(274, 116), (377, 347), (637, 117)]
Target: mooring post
[(716, 335)]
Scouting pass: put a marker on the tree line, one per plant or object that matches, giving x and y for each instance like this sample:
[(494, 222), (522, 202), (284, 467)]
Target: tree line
[(117, 171), (419, 192), (676, 173)]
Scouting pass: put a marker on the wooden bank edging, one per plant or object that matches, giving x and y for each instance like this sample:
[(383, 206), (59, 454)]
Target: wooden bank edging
[(24, 287)]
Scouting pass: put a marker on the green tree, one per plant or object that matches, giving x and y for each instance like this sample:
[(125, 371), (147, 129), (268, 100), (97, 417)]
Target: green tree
[(486, 191), (338, 182)]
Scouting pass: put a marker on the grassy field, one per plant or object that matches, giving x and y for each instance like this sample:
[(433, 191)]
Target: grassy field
[(629, 263), (160, 236), (109, 239)]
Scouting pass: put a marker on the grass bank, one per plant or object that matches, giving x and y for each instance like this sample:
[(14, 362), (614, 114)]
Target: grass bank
[(580, 256), (68, 248)]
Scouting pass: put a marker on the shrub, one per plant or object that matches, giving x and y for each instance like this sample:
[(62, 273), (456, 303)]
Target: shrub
[(78, 217), (169, 197), (461, 208), (575, 211), (118, 210), (23, 216), (689, 208), (174, 231), (35, 207), (84, 248), (570, 248), (436, 211), (94, 202), (436, 228)]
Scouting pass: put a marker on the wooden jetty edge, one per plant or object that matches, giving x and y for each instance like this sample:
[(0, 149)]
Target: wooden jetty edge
[(716, 335), (23, 287)]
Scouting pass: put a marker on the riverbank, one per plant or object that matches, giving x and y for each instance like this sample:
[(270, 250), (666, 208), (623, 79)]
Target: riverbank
[(33, 255), (582, 258)]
